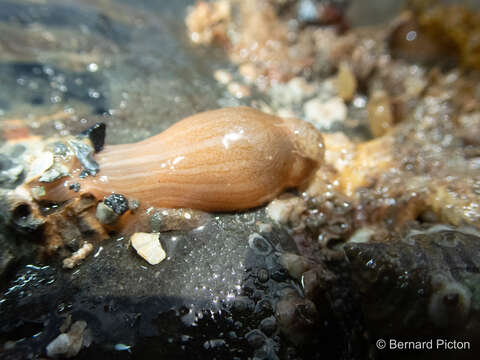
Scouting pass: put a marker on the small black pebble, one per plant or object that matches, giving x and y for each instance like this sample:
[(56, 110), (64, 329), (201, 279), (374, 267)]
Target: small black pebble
[(255, 338), (75, 187), (268, 325), (96, 134), (263, 308), (263, 275), (117, 202)]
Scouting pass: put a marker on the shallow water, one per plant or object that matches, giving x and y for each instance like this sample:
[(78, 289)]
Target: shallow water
[(69, 64), (65, 65)]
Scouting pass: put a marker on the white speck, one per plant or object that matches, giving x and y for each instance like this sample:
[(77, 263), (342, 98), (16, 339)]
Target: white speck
[(98, 251), (103, 178), (48, 71), (231, 137), (195, 36), (178, 159), (222, 76), (55, 99), (92, 67), (359, 102), (411, 35), (122, 347), (94, 94)]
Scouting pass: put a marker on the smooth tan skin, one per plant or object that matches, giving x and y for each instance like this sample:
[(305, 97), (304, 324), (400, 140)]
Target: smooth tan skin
[(222, 160)]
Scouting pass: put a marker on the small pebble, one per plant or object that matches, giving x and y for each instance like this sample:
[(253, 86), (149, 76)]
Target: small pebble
[(249, 72), (68, 344), (268, 325), (117, 202), (380, 113), (289, 209), (324, 114), (41, 164), (262, 275), (264, 228), (295, 264), (133, 204), (346, 82), (148, 247), (301, 87), (255, 338), (238, 90), (362, 235), (105, 214), (263, 308), (223, 76), (38, 192)]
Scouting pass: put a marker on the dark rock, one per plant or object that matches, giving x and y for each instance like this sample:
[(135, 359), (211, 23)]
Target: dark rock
[(425, 283), (263, 275), (117, 202), (11, 172), (268, 325), (255, 338), (96, 134), (296, 316), (195, 305)]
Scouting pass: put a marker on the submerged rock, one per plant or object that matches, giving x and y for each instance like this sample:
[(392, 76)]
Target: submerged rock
[(219, 294), (11, 172), (96, 134), (423, 284), (68, 344)]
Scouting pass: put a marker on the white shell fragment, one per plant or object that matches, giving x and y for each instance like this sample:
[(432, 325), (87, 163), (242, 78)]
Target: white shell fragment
[(77, 256), (68, 344), (41, 164), (148, 247), (286, 209)]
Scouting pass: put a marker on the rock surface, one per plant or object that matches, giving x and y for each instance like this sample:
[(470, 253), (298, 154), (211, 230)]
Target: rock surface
[(233, 285)]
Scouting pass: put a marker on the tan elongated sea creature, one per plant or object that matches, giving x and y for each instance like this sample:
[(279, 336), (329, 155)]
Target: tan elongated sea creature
[(222, 160)]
